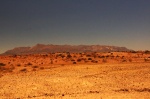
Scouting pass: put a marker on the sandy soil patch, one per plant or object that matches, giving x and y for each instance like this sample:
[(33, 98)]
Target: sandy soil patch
[(97, 81)]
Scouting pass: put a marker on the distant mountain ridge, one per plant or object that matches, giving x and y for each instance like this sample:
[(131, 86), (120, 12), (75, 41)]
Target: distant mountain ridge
[(50, 48)]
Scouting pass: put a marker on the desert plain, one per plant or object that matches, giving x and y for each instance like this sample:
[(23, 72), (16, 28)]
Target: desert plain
[(90, 75)]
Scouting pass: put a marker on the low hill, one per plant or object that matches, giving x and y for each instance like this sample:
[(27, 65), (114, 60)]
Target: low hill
[(50, 48)]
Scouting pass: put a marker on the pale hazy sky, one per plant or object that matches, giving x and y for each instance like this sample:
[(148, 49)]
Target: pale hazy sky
[(104, 22)]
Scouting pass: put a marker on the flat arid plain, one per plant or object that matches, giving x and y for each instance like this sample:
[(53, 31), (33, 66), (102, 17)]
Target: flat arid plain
[(113, 75)]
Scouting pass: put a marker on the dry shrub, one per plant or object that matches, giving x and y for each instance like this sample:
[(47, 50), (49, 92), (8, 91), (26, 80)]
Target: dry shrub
[(78, 60), (122, 57), (94, 92), (117, 56), (145, 59), (147, 52), (103, 56), (122, 90), (88, 55), (130, 60), (72, 60), (107, 56), (74, 63), (89, 58), (2, 68), (93, 61), (104, 60), (51, 61), (23, 70), (1, 75), (2, 64), (29, 64), (18, 65), (41, 68), (86, 61), (142, 90), (10, 70), (49, 94), (124, 60), (35, 67), (137, 90), (69, 56)]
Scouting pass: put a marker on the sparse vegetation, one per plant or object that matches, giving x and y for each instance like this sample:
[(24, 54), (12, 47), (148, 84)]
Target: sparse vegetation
[(41, 68), (123, 90), (133, 89), (133, 52), (2, 68), (78, 60), (89, 58), (23, 70), (101, 56), (107, 56), (122, 57), (117, 56), (124, 60), (104, 60), (98, 67), (130, 60), (142, 90), (72, 60), (2, 64), (94, 61), (69, 56), (29, 64), (88, 55), (18, 65), (146, 60), (147, 52), (35, 67), (51, 61), (94, 92)]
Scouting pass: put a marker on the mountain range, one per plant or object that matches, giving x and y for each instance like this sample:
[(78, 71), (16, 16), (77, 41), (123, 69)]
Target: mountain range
[(50, 48)]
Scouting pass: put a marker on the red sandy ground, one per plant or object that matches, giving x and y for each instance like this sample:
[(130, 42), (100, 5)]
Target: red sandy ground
[(117, 75)]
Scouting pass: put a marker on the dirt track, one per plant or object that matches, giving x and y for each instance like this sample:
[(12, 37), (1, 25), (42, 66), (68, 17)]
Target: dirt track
[(101, 81)]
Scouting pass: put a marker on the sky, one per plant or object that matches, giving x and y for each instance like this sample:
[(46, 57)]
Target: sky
[(75, 22)]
